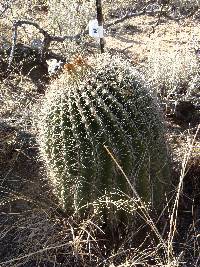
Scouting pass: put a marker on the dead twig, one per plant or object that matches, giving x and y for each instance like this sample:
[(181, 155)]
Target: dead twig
[(159, 19), (163, 13), (125, 17), (190, 14), (14, 40), (46, 41)]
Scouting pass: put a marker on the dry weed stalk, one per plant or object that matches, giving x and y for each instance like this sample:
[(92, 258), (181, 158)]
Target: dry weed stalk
[(173, 216), (168, 258)]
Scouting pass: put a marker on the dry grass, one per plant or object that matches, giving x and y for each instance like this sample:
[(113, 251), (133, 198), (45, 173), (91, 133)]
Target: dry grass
[(174, 73), (42, 236), (167, 57)]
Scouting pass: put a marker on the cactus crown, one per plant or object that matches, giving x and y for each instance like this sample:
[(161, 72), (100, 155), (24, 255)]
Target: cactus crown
[(103, 102)]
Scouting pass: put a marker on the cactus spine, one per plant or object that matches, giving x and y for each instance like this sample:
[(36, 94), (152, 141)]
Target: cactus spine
[(107, 104)]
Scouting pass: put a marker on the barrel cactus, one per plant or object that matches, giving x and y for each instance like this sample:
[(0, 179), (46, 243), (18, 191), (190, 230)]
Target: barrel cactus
[(104, 103)]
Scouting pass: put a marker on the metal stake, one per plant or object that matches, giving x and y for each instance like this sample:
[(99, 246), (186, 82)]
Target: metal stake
[(100, 22)]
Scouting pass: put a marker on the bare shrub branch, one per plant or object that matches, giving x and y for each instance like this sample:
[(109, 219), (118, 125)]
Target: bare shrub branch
[(47, 37), (125, 17)]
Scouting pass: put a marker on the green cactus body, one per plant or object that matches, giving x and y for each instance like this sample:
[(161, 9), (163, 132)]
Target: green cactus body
[(105, 105)]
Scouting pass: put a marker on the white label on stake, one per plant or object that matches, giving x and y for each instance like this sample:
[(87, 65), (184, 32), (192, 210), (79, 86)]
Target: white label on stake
[(100, 30), (95, 30)]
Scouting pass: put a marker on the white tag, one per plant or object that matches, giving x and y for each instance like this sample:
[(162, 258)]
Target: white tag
[(95, 30), (100, 30)]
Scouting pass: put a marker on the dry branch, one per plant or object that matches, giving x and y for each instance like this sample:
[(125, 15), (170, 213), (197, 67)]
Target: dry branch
[(163, 13), (14, 40), (190, 14), (46, 41), (125, 17)]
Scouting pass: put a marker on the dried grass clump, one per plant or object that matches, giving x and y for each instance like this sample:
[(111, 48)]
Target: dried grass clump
[(17, 95), (172, 72), (41, 237), (31, 238)]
